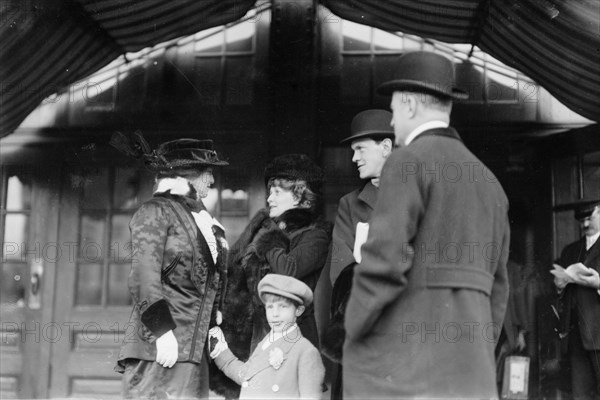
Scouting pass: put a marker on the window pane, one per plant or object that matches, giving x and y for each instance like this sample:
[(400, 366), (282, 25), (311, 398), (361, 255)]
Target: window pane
[(234, 202), (213, 42), (118, 292), (591, 175), (18, 193), (387, 41), (240, 37), (208, 82), (356, 80), (127, 187), (356, 37), (502, 84), (567, 231), (12, 284), (95, 189), (565, 181), (384, 68), (239, 83), (89, 284), (15, 235), (91, 241)]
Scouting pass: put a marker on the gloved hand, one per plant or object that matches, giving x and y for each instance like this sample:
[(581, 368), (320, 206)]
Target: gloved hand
[(215, 333), (590, 278), (167, 349)]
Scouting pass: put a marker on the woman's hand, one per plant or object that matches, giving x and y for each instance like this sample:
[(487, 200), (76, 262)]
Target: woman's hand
[(167, 350)]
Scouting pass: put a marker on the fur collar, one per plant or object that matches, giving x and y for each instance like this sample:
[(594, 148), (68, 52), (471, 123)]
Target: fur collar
[(179, 189), (294, 219)]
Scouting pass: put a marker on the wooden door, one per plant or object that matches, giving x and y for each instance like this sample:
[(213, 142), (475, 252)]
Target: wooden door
[(93, 304), (28, 221)]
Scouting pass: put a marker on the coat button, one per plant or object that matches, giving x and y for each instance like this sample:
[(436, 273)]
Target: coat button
[(275, 388), (245, 384)]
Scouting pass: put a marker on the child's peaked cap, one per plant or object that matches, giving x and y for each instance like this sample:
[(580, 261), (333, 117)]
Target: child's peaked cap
[(287, 287)]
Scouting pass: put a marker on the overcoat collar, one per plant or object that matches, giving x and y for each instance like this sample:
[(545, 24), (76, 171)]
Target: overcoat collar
[(368, 195), (444, 132)]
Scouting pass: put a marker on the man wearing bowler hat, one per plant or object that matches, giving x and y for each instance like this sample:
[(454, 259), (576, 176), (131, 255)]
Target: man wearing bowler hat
[(371, 140), (429, 296), (579, 296)]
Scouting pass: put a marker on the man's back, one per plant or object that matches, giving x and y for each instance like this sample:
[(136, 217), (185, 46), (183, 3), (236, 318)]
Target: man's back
[(431, 291)]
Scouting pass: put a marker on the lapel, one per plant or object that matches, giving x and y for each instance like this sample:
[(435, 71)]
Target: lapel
[(260, 359), (592, 256), (444, 132), (368, 195)]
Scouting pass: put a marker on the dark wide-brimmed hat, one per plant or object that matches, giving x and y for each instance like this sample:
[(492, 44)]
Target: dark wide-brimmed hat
[(585, 207), (169, 156), (423, 72), (189, 153), (374, 124), (296, 167)]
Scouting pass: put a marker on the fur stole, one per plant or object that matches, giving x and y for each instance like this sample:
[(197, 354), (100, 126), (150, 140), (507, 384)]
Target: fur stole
[(247, 265)]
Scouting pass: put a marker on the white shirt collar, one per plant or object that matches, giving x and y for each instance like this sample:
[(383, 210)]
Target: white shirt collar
[(274, 336), (422, 128), (590, 240)]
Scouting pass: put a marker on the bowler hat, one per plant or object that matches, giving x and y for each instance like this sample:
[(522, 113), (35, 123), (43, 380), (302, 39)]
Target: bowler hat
[(373, 124), (187, 153), (424, 72), (286, 286), (296, 167), (585, 208)]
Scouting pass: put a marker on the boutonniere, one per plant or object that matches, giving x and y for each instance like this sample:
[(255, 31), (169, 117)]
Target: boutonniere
[(276, 358)]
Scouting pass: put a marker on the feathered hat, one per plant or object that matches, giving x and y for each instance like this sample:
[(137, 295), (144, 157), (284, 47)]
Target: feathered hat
[(174, 154)]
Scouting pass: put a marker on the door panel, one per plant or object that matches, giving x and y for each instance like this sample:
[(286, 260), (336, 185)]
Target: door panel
[(93, 302)]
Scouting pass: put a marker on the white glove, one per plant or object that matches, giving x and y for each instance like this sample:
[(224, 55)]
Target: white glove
[(589, 278), (219, 317), (167, 349), (217, 333)]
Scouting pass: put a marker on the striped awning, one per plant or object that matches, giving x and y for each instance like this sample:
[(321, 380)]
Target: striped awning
[(48, 44), (554, 42)]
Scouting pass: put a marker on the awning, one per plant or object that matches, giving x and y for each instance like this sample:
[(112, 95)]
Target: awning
[(554, 42), (48, 44)]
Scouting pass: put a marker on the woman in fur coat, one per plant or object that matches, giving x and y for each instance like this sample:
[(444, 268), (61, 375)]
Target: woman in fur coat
[(289, 237)]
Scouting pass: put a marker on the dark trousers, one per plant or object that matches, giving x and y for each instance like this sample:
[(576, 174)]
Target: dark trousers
[(585, 368), (149, 380)]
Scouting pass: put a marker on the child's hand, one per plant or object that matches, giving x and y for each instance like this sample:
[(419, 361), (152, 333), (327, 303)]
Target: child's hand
[(216, 333)]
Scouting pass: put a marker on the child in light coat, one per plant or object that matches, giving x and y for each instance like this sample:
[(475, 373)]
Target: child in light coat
[(284, 365)]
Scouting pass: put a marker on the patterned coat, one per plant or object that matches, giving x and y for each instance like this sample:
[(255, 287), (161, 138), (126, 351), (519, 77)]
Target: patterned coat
[(174, 282), (290, 368), (430, 294), (294, 244)]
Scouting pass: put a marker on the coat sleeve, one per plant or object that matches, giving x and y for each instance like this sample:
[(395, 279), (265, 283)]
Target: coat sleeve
[(311, 374), (499, 295), (308, 256), (149, 229), (230, 365), (387, 255), (342, 243)]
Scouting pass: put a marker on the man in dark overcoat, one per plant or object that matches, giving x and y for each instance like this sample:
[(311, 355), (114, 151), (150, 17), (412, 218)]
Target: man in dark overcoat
[(580, 303), (371, 140), (430, 293)]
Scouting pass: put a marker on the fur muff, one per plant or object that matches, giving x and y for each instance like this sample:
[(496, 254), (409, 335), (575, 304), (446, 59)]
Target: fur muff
[(247, 265)]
